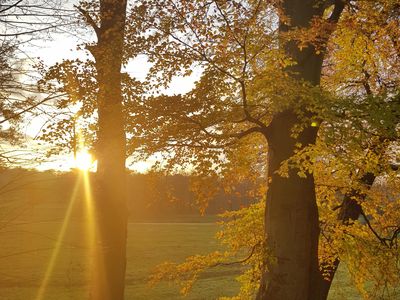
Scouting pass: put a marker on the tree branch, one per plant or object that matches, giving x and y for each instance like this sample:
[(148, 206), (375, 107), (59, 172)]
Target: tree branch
[(337, 11), (239, 261), (249, 117), (11, 6), (89, 19), (16, 115)]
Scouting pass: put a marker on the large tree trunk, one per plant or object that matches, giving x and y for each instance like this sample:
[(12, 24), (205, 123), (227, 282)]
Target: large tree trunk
[(110, 190), (291, 217)]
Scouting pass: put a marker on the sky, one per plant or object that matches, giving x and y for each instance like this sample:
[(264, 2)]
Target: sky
[(63, 46)]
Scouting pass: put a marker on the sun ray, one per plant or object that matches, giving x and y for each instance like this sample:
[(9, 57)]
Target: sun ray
[(91, 230), (95, 259), (84, 162), (60, 238)]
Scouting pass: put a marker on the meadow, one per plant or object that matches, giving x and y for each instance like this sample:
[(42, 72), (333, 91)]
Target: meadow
[(26, 250), (30, 242)]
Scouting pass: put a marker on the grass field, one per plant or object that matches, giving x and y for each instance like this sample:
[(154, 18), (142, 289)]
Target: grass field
[(26, 250), (27, 244)]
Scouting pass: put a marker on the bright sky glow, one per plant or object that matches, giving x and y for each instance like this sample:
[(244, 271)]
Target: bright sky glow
[(64, 46), (84, 160)]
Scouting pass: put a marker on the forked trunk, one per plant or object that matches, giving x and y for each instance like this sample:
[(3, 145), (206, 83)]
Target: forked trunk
[(291, 216)]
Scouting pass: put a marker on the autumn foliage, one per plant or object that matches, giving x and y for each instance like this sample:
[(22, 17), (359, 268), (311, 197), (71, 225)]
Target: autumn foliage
[(303, 106)]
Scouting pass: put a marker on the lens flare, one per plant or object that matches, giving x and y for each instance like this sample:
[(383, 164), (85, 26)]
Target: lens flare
[(91, 230), (83, 160), (60, 238)]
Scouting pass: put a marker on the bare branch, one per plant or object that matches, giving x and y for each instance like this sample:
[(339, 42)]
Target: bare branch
[(16, 115), (11, 6)]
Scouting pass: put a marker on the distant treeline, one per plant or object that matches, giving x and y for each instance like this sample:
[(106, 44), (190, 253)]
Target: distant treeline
[(158, 195), (150, 196)]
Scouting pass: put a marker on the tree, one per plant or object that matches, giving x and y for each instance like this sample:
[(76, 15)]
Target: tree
[(21, 20), (294, 198), (236, 47), (25, 20), (110, 199), (261, 65), (93, 98), (7, 77), (22, 24), (358, 59), (97, 97), (250, 85)]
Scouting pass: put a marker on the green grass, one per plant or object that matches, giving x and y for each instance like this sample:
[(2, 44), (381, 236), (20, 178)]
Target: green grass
[(24, 256), (27, 244)]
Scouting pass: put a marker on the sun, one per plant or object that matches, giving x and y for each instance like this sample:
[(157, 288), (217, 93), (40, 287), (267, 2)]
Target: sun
[(83, 160)]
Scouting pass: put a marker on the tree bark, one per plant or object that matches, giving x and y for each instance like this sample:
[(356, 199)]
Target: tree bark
[(291, 216), (110, 190)]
